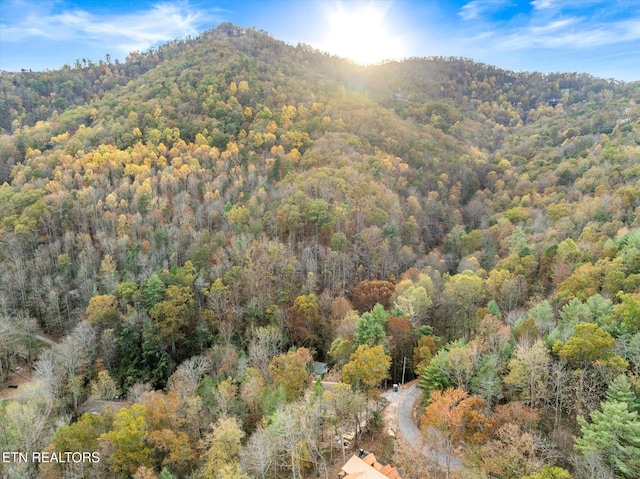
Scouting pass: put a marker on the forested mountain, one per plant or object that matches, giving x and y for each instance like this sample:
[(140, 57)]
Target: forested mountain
[(198, 223)]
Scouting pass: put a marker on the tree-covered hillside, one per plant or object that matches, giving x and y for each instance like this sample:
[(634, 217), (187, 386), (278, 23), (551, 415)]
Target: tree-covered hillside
[(197, 224)]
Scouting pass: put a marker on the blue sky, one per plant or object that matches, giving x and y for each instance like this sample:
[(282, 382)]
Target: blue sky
[(593, 36)]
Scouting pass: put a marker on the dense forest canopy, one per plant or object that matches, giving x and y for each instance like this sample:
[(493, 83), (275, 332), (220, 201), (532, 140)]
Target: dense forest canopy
[(195, 225)]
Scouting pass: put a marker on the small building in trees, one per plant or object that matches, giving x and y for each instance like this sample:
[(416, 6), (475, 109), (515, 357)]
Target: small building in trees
[(319, 368), (97, 406), (236, 32), (367, 467)]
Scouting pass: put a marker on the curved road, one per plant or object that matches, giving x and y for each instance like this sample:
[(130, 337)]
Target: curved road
[(406, 425), (46, 340), (405, 399)]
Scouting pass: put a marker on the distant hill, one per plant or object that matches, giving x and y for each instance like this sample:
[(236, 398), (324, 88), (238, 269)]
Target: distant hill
[(221, 138)]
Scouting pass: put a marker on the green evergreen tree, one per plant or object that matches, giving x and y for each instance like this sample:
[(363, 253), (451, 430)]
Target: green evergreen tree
[(621, 390), (370, 327), (152, 291), (493, 308), (436, 375), (519, 243), (614, 431), (166, 474)]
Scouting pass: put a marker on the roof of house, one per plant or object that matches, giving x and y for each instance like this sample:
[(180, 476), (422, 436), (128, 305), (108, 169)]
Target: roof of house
[(319, 368), (367, 468), (94, 405)]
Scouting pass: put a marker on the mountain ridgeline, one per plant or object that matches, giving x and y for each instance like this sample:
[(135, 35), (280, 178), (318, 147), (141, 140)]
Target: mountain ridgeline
[(219, 200)]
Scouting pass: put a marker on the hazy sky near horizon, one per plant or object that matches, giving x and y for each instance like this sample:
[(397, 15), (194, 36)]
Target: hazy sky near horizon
[(598, 37)]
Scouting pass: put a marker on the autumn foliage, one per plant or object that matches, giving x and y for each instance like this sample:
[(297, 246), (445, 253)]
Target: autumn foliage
[(196, 224)]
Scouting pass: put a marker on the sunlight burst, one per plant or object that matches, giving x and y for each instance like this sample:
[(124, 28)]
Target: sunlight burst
[(360, 34)]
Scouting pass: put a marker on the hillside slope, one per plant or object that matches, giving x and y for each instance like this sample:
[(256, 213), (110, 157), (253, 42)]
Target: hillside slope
[(200, 196)]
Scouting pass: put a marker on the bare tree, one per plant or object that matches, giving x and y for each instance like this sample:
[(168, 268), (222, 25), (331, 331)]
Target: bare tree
[(559, 383), (266, 343), (189, 374), (26, 426), (343, 404), (289, 434), (46, 374), (259, 455), (415, 465), (74, 355), (590, 465), (310, 418), (6, 347)]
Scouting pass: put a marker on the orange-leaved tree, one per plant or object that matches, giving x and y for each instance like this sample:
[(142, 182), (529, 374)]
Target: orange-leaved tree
[(456, 416)]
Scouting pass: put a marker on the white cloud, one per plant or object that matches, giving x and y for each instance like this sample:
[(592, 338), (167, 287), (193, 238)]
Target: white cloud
[(571, 33), (477, 8), (542, 4), (561, 25), (553, 27), (572, 4), (138, 30)]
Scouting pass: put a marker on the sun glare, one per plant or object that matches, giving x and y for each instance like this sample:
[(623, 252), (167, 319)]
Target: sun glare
[(360, 34)]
